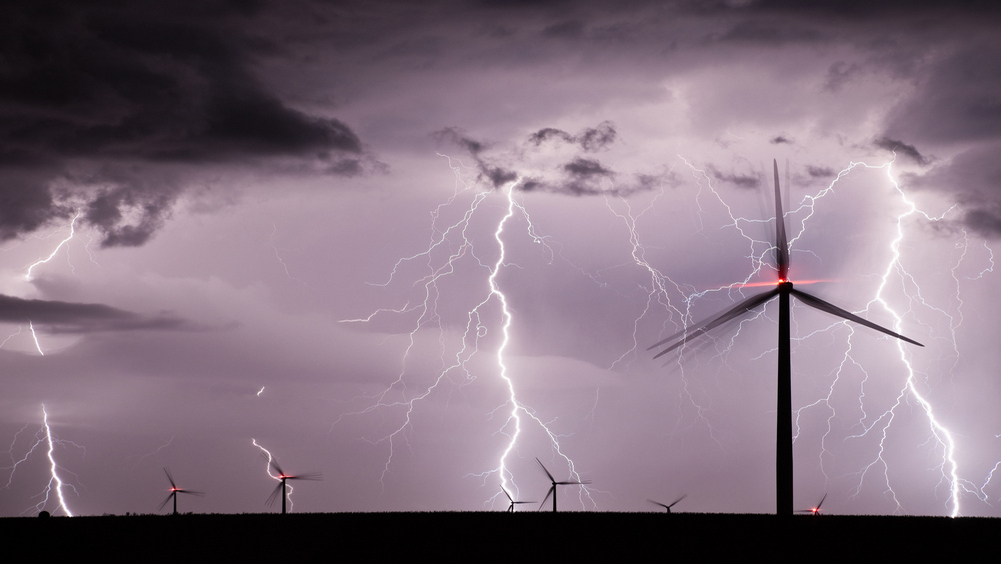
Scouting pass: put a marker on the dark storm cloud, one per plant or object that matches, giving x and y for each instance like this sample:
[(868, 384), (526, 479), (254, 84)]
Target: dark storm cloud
[(579, 177), (899, 147), (590, 139), (495, 174), (66, 317), (105, 212), (586, 169), (819, 171), (140, 82), (973, 178), (738, 180), (589, 184), (779, 139)]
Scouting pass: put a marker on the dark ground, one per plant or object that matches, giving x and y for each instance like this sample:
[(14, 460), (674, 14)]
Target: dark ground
[(528, 535)]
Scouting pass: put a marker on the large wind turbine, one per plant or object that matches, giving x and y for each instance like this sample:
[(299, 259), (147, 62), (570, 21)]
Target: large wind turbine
[(174, 490), (510, 508), (282, 477), (552, 490), (783, 289), (668, 506)]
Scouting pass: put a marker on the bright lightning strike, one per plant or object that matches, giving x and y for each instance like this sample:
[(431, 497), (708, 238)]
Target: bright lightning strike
[(35, 337), (44, 438), (267, 469), (913, 393), (56, 250), (454, 248)]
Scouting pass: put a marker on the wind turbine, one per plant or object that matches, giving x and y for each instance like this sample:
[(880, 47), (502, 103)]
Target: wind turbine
[(813, 510), (510, 508), (670, 505), (552, 490), (784, 289), (174, 490), (282, 477)]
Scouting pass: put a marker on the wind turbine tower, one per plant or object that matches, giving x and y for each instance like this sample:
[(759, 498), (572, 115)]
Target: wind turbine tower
[(783, 289)]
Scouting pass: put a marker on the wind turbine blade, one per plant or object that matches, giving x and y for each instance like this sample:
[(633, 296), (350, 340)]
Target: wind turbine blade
[(169, 477), (820, 304), (274, 495), (201, 494), (551, 479), (781, 241), (659, 503), (274, 464), (675, 502), (821, 502), (551, 491), (313, 476), (165, 501), (508, 495), (734, 312), (581, 483)]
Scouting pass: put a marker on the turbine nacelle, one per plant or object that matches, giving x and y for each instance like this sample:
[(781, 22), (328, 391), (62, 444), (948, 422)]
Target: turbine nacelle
[(282, 478), (174, 490), (814, 510)]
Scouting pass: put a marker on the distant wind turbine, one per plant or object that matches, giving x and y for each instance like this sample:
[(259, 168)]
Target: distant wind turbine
[(670, 505), (174, 490), (510, 508), (784, 289), (552, 490), (813, 510), (282, 476)]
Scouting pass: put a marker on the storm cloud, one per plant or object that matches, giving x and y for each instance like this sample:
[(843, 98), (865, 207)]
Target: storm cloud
[(141, 86), (66, 317)]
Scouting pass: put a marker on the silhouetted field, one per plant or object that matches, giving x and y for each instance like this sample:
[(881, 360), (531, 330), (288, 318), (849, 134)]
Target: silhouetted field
[(527, 535)]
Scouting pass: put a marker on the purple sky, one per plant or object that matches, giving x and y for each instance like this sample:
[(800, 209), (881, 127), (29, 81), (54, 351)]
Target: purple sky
[(285, 213)]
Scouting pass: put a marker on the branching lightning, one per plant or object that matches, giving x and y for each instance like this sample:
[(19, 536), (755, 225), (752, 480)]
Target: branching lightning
[(456, 241), (56, 250), (895, 274), (44, 438), (267, 468)]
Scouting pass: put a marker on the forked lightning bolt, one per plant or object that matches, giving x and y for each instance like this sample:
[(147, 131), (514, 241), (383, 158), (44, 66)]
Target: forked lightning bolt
[(267, 468), (56, 250), (449, 246), (44, 439), (910, 393)]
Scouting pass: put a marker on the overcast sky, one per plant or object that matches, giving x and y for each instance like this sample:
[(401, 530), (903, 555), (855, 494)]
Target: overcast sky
[(416, 246)]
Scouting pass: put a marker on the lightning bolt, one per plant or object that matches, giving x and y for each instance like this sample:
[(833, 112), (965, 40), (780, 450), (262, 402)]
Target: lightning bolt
[(35, 337), (267, 469), (56, 250), (455, 242), (11, 336), (894, 275), (44, 438)]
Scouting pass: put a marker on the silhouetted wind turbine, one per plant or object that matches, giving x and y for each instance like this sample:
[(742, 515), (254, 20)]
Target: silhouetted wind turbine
[(552, 490), (510, 508), (784, 289), (669, 506), (813, 510), (174, 490), (280, 488)]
